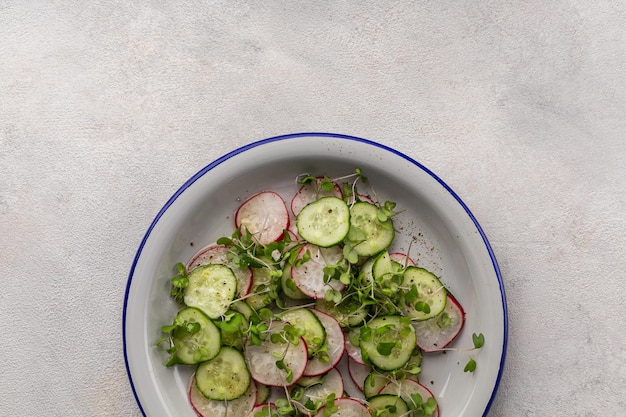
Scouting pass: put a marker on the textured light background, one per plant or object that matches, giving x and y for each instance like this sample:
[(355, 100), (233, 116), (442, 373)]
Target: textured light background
[(106, 108)]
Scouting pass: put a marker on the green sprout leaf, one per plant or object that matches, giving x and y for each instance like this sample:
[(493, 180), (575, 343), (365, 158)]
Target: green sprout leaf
[(479, 340), (470, 366), (385, 348)]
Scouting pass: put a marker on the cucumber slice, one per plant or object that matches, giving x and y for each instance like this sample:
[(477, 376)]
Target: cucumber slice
[(205, 407), (211, 288), (314, 332), (232, 328), (385, 271), (373, 383), (324, 222), (289, 287), (225, 377), (311, 192), (349, 313), (335, 343), (260, 295), (368, 235), (263, 393), (218, 254), (409, 389), (387, 405), (202, 344), (388, 342), (430, 291)]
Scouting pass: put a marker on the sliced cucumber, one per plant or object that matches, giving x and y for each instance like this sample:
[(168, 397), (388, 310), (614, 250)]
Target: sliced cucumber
[(232, 327), (431, 294), (348, 313), (261, 294), (263, 393), (211, 288), (324, 222), (368, 235), (314, 332), (205, 407), (289, 287), (387, 405), (225, 377), (408, 390), (196, 335), (335, 346), (388, 342), (386, 272), (373, 383)]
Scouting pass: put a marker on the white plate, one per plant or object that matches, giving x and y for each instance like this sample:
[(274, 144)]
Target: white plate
[(449, 242)]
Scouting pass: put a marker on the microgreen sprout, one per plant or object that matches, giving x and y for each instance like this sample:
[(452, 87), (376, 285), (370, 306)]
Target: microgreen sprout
[(179, 283)]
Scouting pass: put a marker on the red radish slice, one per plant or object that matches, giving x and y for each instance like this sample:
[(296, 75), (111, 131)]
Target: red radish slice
[(334, 340), (261, 360), (309, 276), (264, 215), (402, 259), (267, 410), (308, 193), (431, 336), (358, 372), (354, 352), (332, 384), (362, 197), (218, 254), (212, 408), (347, 407), (407, 387)]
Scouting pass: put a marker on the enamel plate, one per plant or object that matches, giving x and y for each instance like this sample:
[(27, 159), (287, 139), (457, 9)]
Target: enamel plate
[(434, 224)]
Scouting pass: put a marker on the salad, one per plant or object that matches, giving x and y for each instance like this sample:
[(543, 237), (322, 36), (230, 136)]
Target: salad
[(306, 310)]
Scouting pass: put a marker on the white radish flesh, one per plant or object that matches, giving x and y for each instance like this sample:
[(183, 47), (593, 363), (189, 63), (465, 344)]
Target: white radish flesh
[(436, 333), (309, 276), (336, 345), (264, 215)]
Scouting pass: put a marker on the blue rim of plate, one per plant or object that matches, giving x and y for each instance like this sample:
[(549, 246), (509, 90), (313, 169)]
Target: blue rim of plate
[(244, 148)]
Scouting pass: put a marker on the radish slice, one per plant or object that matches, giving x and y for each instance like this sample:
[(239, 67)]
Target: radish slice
[(331, 384), (218, 254), (431, 336), (354, 352), (212, 408), (407, 387), (347, 407), (334, 340), (262, 359), (402, 259), (308, 193), (264, 215), (267, 410), (358, 372), (309, 276), (361, 197)]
